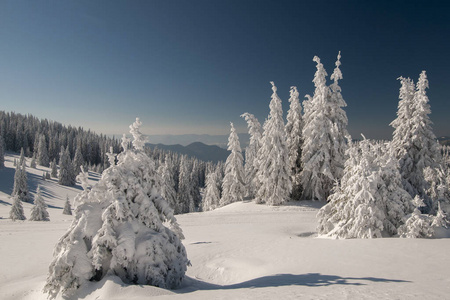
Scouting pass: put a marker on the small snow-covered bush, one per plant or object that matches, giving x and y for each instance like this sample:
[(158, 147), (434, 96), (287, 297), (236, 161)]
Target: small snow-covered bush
[(420, 225), (67, 207), (122, 226)]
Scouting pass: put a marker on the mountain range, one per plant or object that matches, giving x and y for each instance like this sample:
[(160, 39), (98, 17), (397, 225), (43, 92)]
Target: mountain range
[(187, 139), (197, 149)]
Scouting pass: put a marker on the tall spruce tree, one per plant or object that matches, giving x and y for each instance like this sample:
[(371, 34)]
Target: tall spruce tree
[(274, 171), (54, 168), (233, 181), (339, 120), (66, 174), (251, 153), (211, 196), (294, 141), (20, 187), (415, 144), (184, 194), (316, 176), (78, 160), (123, 227), (42, 152), (168, 185), (2, 152)]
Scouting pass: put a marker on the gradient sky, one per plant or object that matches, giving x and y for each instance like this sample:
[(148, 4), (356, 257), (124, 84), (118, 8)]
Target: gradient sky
[(194, 66)]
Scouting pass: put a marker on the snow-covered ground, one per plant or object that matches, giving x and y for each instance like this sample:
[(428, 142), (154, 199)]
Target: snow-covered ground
[(241, 251)]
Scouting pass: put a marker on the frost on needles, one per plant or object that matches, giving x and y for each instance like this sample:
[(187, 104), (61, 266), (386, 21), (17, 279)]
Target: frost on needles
[(122, 226)]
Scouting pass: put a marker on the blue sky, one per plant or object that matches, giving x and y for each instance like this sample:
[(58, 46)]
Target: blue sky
[(194, 66)]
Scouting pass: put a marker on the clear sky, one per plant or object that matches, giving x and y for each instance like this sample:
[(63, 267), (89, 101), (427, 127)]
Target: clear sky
[(194, 66)]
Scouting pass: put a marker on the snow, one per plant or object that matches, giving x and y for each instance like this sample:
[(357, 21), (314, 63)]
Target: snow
[(240, 251)]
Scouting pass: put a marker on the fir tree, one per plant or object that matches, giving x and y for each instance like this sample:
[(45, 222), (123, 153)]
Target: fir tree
[(339, 119), (42, 153), (211, 195), (20, 188), (138, 238), (294, 141), (402, 124), (16, 212), (21, 157), (168, 185), (33, 162), (415, 143), (233, 182), (251, 153), (324, 132), (369, 199), (418, 225), (66, 175), (78, 160), (39, 210), (184, 195), (316, 176), (54, 169), (2, 152), (274, 171), (195, 189), (67, 207)]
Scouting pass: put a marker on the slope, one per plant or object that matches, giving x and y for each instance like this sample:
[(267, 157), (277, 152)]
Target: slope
[(241, 251)]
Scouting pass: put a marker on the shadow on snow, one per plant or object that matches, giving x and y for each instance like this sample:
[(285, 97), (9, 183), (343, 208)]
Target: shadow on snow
[(310, 279)]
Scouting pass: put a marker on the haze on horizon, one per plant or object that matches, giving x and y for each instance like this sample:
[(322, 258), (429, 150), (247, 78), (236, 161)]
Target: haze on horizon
[(192, 67)]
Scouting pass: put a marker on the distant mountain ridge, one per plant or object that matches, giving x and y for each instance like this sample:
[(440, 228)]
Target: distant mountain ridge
[(187, 139), (444, 140), (197, 149)]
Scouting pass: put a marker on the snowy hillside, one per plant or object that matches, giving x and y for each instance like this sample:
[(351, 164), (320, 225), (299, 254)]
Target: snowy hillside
[(240, 251)]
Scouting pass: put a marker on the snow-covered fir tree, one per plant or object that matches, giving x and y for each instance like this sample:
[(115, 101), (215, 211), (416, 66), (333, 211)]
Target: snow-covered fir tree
[(324, 132), (167, 183), (78, 160), (33, 162), (21, 157), (66, 174), (251, 152), (274, 168), (20, 188), (402, 124), (294, 127), (42, 152), (39, 210), (16, 212), (54, 169), (339, 119), (220, 173), (2, 152), (211, 196), (438, 186), (370, 199), (316, 177), (67, 207), (137, 238), (233, 181), (417, 225), (195, 182), (415, 143), (185, 201)]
